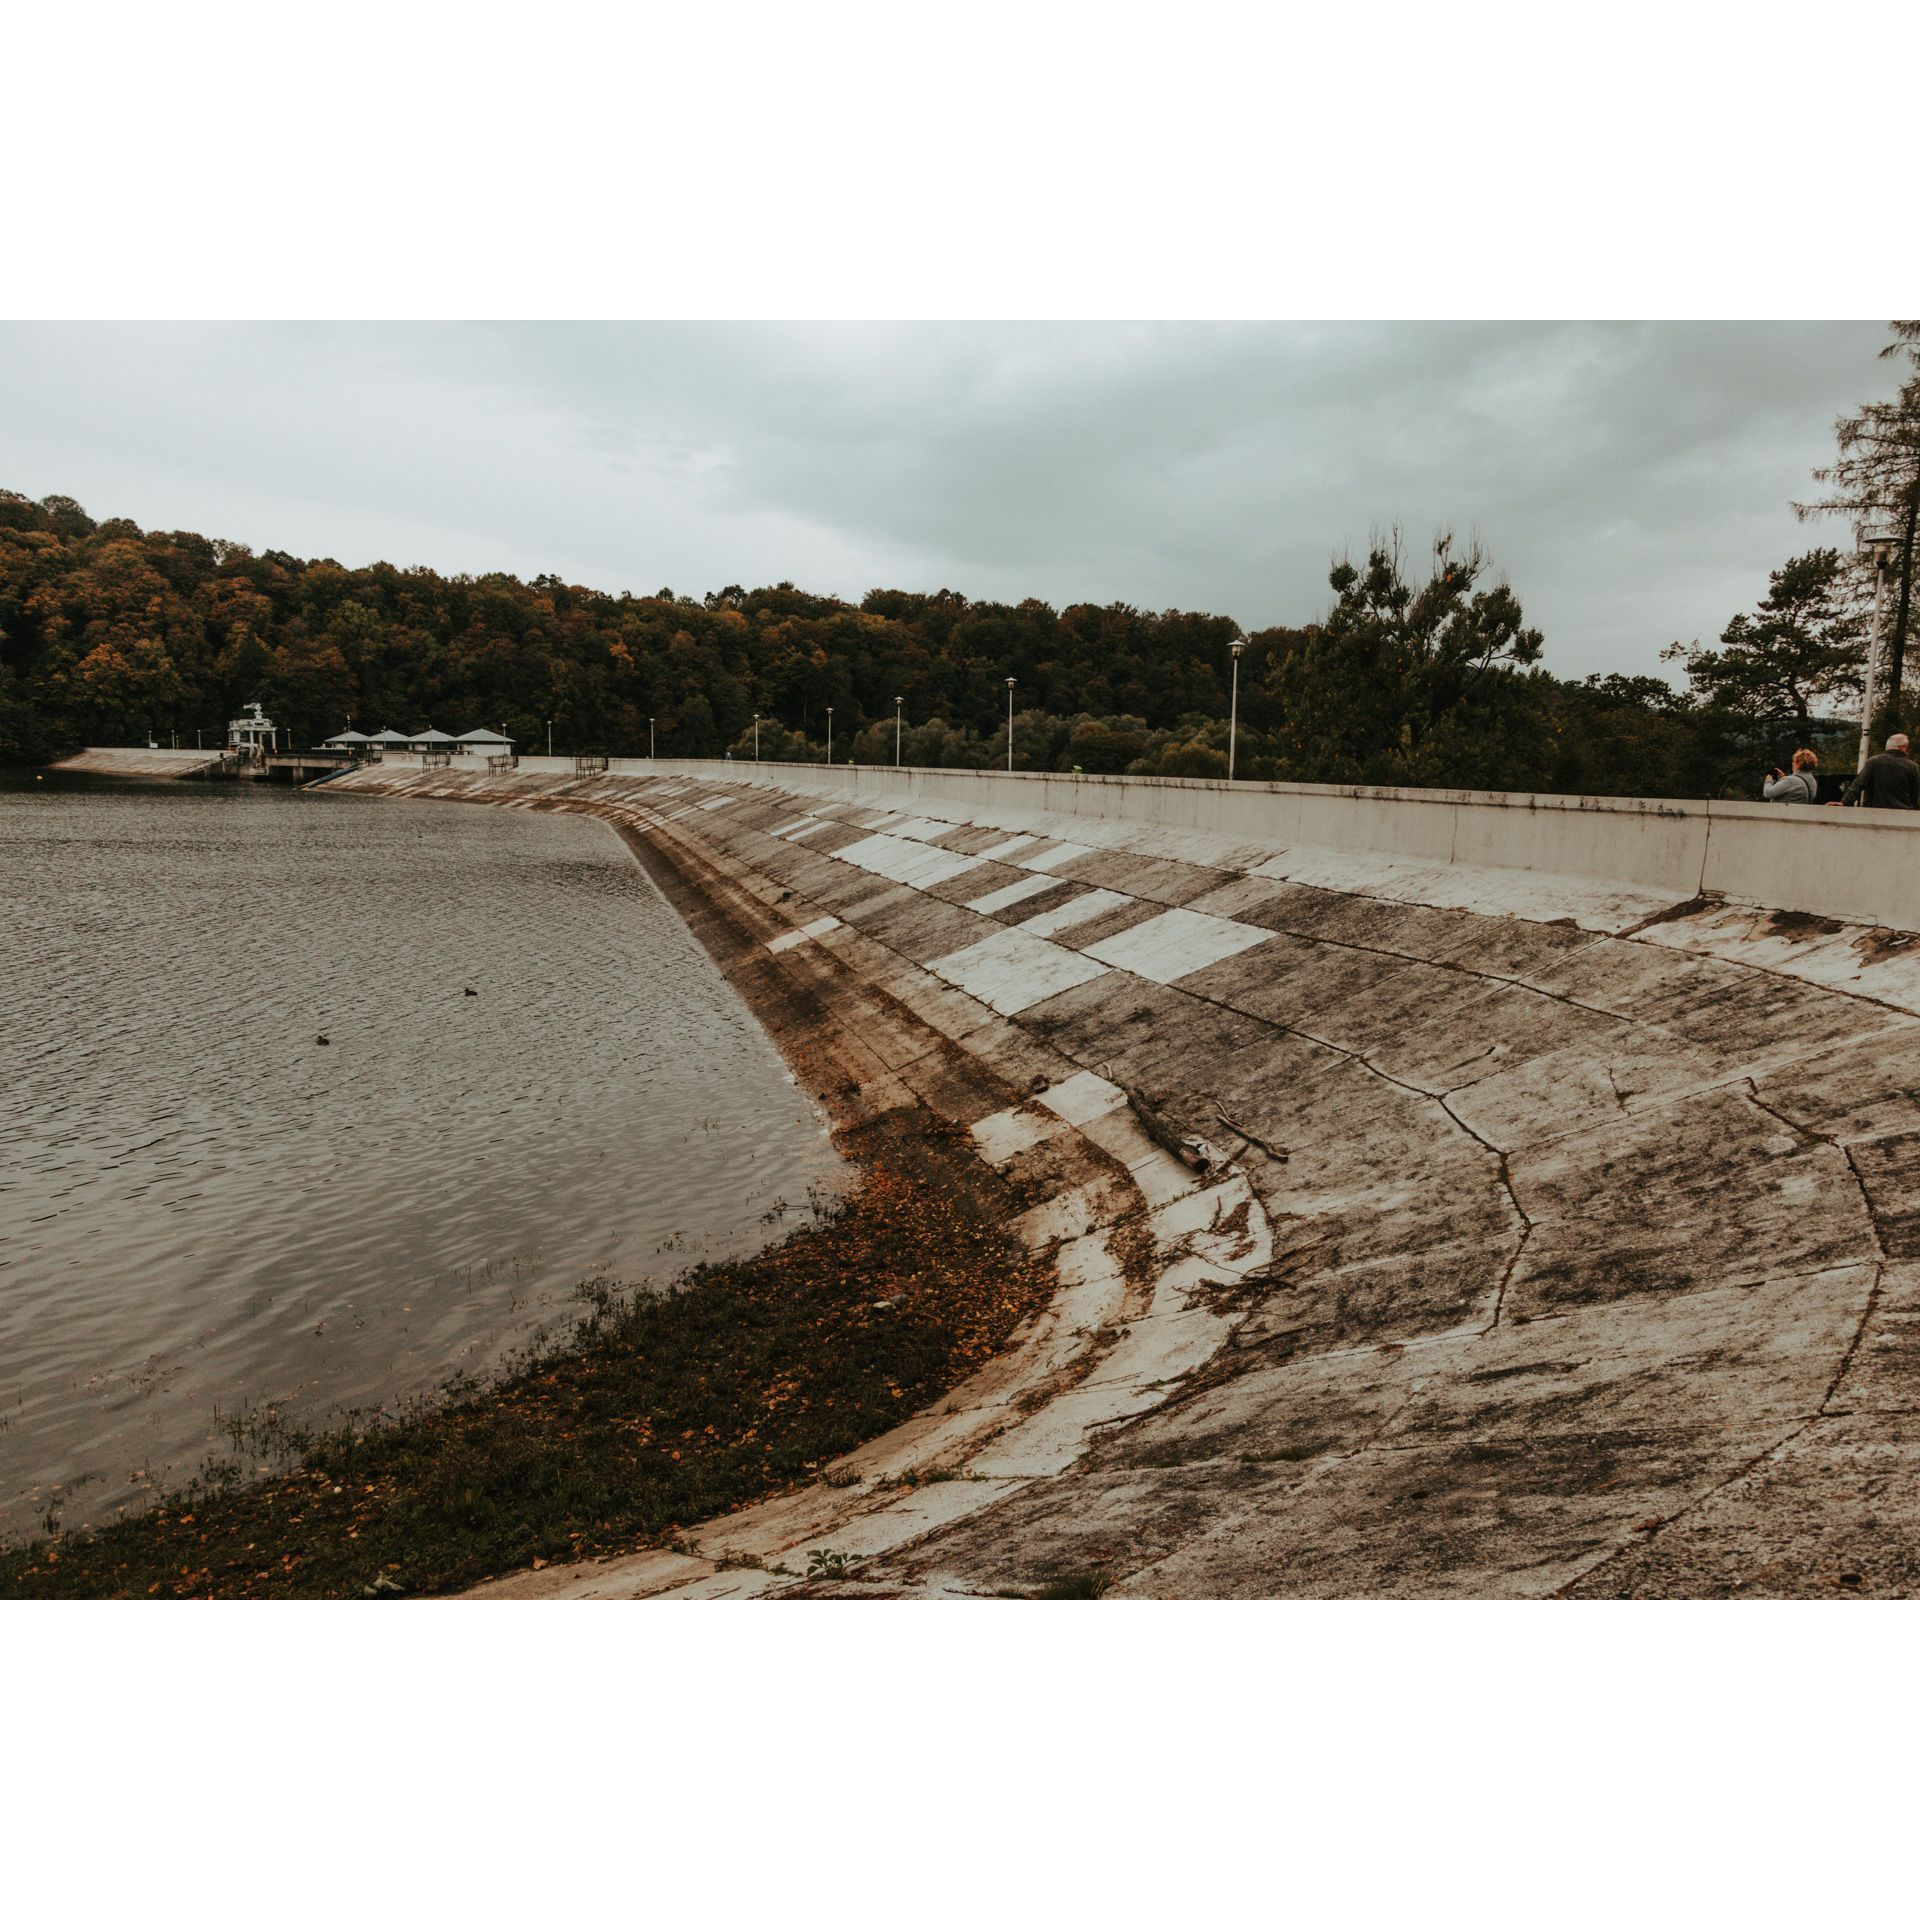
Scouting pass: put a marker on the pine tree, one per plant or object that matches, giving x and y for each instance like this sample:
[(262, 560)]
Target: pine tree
[(1803, 646), (1409, 685), (1875, 482)]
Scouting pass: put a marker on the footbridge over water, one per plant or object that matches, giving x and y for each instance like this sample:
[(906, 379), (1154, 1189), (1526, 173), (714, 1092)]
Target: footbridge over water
[(1448, 1194)]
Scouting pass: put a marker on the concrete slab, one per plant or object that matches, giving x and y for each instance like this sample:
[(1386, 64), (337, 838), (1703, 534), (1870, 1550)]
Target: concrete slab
[(1001, 1136), (1175, 944), (1012, 970), (1073, 913), (1050, 859), (1083, 1097), (1014, 892)]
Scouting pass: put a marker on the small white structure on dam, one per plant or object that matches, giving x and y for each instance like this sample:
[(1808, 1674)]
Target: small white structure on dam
[(477, 743), (484, 742), (253, 736)]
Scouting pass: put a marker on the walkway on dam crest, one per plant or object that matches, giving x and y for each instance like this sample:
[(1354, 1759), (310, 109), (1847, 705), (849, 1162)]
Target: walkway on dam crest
[(1422, 1228)]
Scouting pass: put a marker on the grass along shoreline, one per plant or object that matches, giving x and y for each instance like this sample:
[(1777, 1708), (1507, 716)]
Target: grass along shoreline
[(653, 1413)]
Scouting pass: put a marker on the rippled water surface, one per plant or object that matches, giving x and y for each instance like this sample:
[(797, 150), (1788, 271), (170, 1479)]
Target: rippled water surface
[(203, 1210)]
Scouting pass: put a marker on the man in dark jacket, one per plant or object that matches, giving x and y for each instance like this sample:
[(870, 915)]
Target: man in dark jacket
[(1889, 779)]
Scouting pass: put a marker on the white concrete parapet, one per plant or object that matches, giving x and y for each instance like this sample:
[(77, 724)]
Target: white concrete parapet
[(1846, 864)]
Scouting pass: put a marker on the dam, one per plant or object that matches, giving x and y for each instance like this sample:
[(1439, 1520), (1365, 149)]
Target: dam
[(1448, 1194)]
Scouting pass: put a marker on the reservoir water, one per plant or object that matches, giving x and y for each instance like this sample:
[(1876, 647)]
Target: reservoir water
[(534, 1078)]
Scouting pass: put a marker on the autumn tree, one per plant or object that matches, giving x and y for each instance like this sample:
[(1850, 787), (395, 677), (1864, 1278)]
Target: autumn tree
[(107, 632)]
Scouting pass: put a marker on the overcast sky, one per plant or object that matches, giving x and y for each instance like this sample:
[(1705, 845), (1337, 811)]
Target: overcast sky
[(1632, 481)]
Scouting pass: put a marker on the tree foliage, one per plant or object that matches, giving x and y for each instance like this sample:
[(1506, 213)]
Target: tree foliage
[(1874, 481), (1409, 685), (110, 635), (1803, 647)]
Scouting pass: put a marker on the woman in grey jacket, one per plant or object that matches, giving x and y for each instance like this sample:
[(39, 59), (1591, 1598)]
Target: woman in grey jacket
[(1802, 785)]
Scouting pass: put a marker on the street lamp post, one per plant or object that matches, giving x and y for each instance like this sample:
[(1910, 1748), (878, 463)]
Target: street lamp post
[(756, 739), (1010, 723), (1233, 723), (1880, 546), (897, 698), (549, 739), (829, 736)]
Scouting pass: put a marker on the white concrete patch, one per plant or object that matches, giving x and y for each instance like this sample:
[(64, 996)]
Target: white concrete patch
[(1001, 1136), (1014, 892), (1048, 858), (1012, 970), (1076, 913), (811, 931), (937, 864), (906, 861), (1008, 848), (915, 829), (1177, 943), (1084, 1097), (1160, 1177), (1202, 1223), (1067, 1216), (725, 800)]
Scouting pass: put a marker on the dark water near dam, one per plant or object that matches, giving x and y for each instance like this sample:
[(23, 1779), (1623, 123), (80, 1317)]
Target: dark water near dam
[(203, 1211)]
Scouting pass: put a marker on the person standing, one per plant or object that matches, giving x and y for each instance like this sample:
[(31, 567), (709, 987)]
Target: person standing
[(1801, 786), (1889, 779)]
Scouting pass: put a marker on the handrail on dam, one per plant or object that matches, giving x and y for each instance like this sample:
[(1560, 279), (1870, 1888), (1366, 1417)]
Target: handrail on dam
[(1845, 864)]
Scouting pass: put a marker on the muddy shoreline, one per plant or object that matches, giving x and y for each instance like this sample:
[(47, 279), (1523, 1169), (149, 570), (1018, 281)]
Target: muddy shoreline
[(651, 1415)]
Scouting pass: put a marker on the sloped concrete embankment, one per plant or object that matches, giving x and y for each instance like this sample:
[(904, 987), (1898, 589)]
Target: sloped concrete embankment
[(1558, 1235), (143, 763)]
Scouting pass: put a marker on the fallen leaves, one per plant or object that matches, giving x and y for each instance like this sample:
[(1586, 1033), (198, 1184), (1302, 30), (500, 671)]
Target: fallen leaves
[(764, 1369)]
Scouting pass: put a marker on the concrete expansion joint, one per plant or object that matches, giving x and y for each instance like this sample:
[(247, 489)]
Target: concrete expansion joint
[(1843, 1148), (1643, 1531)]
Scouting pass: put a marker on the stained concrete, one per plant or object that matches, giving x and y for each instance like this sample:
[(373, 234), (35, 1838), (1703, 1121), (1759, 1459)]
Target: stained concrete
[(142, 763), (1560, 1236)]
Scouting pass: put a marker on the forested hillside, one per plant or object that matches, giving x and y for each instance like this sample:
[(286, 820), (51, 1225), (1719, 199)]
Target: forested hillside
[(110, 635)]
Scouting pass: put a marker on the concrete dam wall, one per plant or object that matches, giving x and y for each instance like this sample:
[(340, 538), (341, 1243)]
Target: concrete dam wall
[(1843, 863), (143, 763), (1424, 1222)]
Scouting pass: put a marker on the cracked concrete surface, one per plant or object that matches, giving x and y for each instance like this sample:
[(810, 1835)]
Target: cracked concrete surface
[(1568, 1240)]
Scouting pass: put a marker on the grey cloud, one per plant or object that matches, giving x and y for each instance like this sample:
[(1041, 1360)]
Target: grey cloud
[(1631, 480)]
